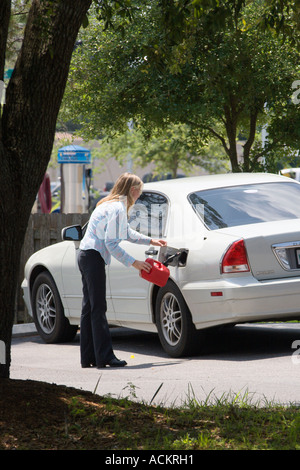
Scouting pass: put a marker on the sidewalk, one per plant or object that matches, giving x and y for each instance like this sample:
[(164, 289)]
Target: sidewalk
[(23, 329)]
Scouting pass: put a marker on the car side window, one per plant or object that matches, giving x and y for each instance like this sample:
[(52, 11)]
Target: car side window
[(149, 214)]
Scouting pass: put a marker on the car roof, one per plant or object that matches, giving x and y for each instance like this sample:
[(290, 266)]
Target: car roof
[(198, 183)]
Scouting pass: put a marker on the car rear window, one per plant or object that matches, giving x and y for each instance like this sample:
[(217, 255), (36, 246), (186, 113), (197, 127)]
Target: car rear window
[(247, 204)]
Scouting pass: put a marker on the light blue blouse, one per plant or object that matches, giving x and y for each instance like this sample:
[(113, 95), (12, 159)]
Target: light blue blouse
[(107, 227)]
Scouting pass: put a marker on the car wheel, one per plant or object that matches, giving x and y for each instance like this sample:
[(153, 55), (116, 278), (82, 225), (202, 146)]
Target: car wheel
[(174, 323), (48, 311)]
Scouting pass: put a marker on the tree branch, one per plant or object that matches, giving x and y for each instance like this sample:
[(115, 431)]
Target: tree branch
[(218, 136), (213, 132), (269, 147)]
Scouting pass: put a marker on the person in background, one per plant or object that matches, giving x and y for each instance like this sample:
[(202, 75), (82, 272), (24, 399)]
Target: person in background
[(107, 227)]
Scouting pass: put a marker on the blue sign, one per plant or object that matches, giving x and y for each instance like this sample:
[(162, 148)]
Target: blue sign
[(74, 154)]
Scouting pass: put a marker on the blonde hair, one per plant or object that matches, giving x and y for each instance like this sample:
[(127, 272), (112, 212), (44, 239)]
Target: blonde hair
[(121, 189)]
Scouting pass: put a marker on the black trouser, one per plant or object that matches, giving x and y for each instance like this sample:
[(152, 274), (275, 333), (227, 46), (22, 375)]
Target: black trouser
[(95, 338)]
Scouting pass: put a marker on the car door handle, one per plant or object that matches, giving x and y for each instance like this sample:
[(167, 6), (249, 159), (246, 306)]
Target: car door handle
[(152, 251)]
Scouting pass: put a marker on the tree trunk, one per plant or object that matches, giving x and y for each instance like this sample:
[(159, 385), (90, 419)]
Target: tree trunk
[(174, 166), (27, 130), (231, 118), (250, 141)]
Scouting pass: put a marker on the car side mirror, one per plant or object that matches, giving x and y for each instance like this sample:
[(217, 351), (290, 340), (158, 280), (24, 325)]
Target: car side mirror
[(73, 233)]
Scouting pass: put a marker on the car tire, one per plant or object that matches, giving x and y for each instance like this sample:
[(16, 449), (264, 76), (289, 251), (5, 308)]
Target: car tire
[(48, 311), (176, 330)]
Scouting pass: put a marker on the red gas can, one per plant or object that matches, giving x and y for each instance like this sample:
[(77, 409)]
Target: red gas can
[(159, 274)]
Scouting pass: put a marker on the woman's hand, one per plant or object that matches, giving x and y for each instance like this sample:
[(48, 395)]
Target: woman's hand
[(158, 242), (142, 265)]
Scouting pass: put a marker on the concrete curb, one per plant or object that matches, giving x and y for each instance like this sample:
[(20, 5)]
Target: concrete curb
[(24, 329)]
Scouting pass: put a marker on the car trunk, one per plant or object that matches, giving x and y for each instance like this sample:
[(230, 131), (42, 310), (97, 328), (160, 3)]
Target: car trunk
[(273, 248)]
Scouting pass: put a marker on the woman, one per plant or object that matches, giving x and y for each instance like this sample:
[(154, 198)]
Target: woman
[(107, 226)]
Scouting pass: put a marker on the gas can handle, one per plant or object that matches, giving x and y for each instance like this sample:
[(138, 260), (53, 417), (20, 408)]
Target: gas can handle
[(152, 251)]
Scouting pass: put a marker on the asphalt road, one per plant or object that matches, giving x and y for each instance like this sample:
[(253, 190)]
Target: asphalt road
[(261, 363)]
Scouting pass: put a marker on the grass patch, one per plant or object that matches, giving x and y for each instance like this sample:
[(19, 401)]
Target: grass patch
[(41, 416)]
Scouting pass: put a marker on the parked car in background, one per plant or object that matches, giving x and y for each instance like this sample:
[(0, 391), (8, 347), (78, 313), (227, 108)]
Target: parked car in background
[(237, 239), (95, 198), (293, 173), (108, 186), (56, 195), (150, 177)]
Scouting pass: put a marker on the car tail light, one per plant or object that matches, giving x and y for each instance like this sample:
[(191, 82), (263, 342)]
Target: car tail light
[(235, 259)]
